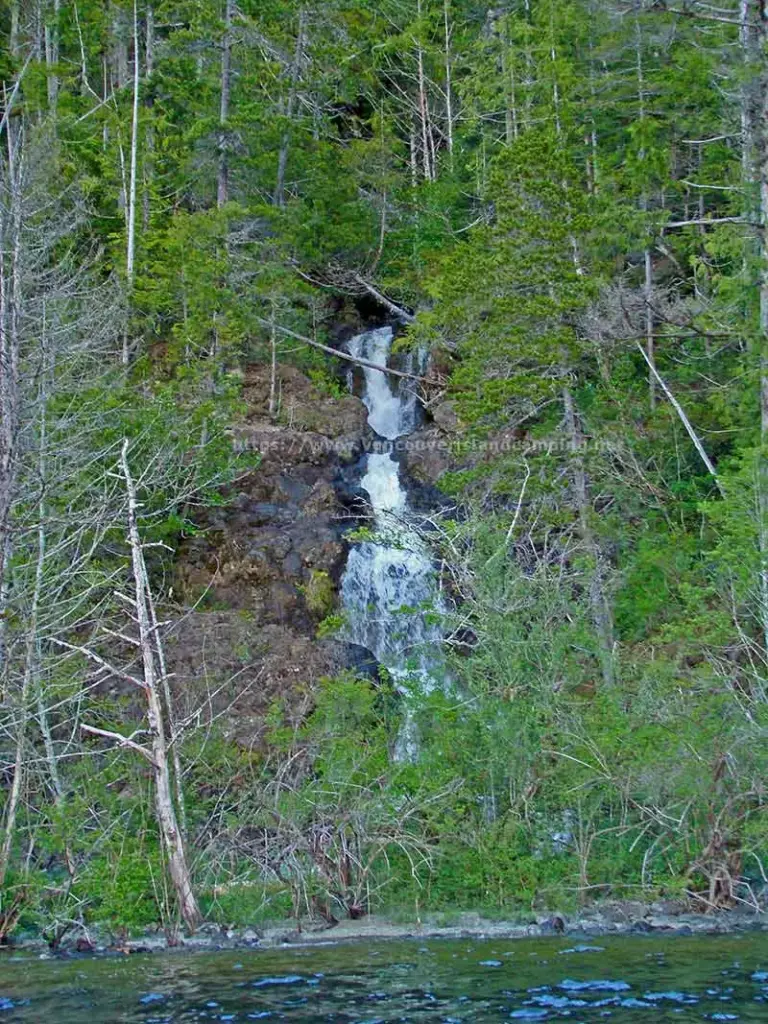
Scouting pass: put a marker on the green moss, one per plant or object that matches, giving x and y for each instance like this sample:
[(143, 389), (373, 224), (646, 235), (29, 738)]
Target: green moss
[(320, 593)]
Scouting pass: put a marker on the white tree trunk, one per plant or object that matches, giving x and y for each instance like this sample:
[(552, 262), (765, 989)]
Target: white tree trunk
[(448, 82), (225, 86), (600, 607), (282, 158), (172, 839)]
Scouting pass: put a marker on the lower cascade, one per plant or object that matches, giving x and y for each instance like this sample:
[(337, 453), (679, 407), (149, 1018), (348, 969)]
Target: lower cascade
[(389, 590)]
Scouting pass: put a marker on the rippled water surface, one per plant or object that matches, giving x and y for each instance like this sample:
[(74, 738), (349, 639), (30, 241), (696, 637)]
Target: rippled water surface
[(629, 979)]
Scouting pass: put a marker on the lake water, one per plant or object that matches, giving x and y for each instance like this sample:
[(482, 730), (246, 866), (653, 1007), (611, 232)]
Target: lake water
[(627, 979)]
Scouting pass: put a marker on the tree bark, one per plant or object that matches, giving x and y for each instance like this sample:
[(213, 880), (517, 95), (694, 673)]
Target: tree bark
[(30, 678), (426, 128), (600, 607), (448, 82), (222, 183), (172, 839), (762, 176), (149, 135), (130, 255), (282, 158), (10, 323), (52, 57)]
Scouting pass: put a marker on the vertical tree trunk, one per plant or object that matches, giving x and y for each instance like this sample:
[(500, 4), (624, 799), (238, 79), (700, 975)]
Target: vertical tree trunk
[(181, 805), (510, 106), (282, 158), (52, 57), (131, 198), (423, 105), (222, 183), (413, 160), (273, 366), (649, 340), (30, 680), (119, 51), (173, 842), (13, 35), (647, 260), (448, 82), (762, 41), (149, 135), (10, 326), (600, 607)]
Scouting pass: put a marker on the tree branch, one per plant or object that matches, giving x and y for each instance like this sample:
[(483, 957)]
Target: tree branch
[(122, 741), (345, 355), (393, 308), (92, 656), (683, 419), (705, 221)]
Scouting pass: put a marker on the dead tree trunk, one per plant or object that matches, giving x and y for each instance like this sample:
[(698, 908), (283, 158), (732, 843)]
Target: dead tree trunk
[(762, 177), (598, 600), (130, 255), (10, 326), (282, 159), (52, 57), (172, 839), (222, 184), (447, 31), (149, 132), (423, 106), (30, 679)]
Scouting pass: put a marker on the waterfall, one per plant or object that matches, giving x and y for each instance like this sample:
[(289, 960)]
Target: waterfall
[(389, 591)]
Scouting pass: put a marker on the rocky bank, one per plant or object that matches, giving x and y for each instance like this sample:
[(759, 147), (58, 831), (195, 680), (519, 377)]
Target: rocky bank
[(263, 570)]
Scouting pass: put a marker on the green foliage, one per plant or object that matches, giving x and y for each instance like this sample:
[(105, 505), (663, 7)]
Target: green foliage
[(320, 594), (540, 229)]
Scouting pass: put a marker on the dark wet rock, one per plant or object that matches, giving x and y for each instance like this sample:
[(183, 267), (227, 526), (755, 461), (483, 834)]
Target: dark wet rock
[(445, 417), (428, 454), (360, 660), (552, 925), (641, 927), (668, 908)]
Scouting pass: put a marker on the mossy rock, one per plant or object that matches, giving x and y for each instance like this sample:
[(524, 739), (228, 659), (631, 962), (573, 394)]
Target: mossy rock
[(320, 594)]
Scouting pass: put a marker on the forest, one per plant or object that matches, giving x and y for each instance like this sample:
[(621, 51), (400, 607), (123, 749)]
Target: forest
[(561, 208)]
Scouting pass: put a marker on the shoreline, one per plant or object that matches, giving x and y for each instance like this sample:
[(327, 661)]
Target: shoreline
[(606, 921)]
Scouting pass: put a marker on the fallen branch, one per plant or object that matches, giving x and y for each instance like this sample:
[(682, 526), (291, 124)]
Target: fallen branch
[(703, 222), (122, 741), (393, 308), (101, 662), (349, 358), (683, 419)]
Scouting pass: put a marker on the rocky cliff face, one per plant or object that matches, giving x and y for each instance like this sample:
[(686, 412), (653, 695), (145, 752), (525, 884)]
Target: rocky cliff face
[(264, 569)]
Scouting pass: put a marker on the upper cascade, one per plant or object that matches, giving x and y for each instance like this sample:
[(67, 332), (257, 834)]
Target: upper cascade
[(389, 589), (389, 415)]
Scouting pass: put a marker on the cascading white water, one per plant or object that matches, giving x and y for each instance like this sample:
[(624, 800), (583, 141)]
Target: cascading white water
[(389, 590)]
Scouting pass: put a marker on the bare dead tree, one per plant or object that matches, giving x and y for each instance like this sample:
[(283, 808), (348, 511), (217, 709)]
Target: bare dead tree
[(151, 682)]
